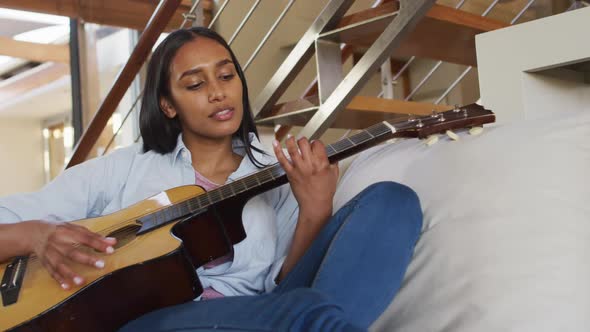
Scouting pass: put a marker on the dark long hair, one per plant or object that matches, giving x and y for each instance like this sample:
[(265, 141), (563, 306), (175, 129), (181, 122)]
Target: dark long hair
[(160, 133)]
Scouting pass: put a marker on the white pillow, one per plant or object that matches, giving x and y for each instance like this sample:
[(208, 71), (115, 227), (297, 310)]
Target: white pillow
[(506, 238)]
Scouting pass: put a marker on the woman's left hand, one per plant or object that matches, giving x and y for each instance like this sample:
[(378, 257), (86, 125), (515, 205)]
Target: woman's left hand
[(313, 179)]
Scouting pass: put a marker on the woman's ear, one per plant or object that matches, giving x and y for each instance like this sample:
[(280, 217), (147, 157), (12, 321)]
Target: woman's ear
[(167, 108)]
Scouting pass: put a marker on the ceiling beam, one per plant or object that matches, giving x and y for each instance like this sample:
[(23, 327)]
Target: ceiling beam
[(132, 14), (20, 84), (34, 51)]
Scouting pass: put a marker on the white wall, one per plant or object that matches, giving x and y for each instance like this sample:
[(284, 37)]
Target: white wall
[(509, 58), (21, 156)]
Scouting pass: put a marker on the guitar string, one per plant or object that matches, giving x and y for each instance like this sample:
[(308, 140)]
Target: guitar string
[(246, 179), (255, 176), (270, 169)]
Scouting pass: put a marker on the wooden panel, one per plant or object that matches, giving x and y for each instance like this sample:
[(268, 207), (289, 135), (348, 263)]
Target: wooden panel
[(124, 13), (34, 51), (444, 34), (361, 113)]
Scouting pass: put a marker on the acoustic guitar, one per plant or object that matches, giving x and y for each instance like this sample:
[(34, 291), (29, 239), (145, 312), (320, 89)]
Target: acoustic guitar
[(163, 239)]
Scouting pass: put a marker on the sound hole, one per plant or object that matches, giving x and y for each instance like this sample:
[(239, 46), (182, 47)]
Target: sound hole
[(124, 235)]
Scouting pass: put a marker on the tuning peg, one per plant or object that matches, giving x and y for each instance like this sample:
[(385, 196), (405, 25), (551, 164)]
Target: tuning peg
[(457, 109), (431, 140), (476, 131), (452, 135)]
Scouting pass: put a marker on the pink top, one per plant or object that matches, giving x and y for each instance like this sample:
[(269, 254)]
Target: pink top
[(209, 292)]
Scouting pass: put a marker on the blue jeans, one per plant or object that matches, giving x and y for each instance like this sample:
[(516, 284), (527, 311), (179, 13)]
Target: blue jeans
[(343, 282)]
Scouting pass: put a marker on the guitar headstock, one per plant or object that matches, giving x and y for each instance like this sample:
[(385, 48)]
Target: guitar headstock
[(472, 115)]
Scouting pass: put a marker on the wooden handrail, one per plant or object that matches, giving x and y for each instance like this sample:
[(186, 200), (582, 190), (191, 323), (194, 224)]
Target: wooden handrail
[(153, 29)]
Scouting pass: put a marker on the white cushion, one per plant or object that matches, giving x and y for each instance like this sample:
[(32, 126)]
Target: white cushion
[(506, 238)]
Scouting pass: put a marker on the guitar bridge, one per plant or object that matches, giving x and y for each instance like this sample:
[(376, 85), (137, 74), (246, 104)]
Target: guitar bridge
[(12, 280)]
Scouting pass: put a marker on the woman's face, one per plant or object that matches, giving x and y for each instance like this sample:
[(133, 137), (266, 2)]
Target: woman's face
[(206, 90)]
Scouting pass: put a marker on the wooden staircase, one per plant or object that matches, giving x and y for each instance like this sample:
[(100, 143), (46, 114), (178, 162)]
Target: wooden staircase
[(444, 33), (419, 28)]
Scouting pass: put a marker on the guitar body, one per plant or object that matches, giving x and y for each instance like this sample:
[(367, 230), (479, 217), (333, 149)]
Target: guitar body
[(146, 272)]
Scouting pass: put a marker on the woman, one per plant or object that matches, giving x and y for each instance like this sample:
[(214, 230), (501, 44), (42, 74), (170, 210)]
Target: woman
[(300, 268)]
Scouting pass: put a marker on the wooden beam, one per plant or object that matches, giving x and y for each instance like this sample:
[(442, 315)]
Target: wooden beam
[(34, 78), (34, 51), (156, 25), (360, 113), (132, 14)]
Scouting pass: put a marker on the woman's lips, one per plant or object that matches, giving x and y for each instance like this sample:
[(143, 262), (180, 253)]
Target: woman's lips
[(223, 115)]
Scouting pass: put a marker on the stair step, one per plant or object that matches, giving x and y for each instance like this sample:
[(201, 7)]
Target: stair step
[(445, 33), (360, 113)]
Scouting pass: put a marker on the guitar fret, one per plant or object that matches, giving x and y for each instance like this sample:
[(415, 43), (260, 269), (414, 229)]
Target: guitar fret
[(365, 135), (213, 196), (224, 191), (240, 182), (190, 204), (267, 176), (203, 200), (277, 171), (164, 213), (272, 178), (182, 209), (329, 147), (249, 182), (231, 189), (339, 146)]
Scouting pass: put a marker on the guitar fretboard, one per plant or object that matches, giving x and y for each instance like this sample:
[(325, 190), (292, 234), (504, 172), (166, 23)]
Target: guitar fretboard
[(266, 176), (272, 176)]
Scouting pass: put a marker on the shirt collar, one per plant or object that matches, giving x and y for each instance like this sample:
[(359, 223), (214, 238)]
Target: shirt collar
[(245, 167)]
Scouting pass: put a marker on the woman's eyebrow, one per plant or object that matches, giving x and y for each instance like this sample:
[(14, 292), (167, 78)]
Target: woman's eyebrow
[(200, 68)]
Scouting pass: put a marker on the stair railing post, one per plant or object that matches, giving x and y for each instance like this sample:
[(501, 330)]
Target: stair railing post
[(410, 13)]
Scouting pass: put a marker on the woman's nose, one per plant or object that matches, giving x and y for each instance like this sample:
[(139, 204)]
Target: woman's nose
[(216, 92)]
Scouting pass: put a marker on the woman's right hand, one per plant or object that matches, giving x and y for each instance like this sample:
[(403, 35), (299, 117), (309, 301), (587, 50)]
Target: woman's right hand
[(56, 245)]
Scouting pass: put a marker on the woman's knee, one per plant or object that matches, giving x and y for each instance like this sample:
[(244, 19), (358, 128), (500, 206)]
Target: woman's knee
[(314, 311), (387, 192), (394, 200)]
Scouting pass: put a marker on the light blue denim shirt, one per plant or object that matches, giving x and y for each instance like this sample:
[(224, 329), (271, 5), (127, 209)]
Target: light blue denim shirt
[(107, 184)]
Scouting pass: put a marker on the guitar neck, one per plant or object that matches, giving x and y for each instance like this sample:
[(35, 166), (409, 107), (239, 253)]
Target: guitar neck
[(267, 178), (273, 176)]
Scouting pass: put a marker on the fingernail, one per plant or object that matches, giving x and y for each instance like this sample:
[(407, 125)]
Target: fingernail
[(110, 250), (289, 136), (110, 239), (65, 286), (99, 264), (78, 280), (275, 143)]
